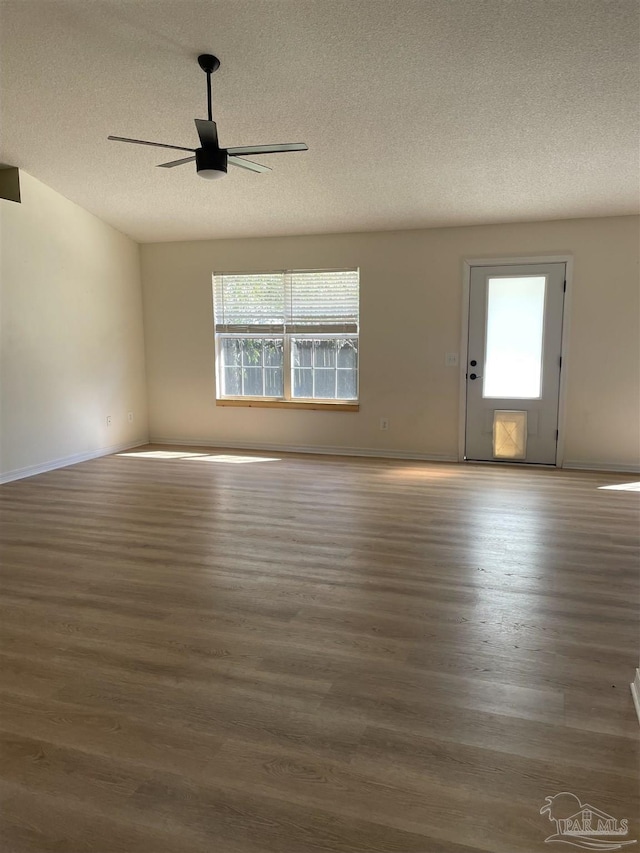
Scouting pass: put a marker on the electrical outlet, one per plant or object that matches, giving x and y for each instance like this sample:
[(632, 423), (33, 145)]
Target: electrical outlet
[(451, 359), (384, 423), (108, 420), (130, 417)]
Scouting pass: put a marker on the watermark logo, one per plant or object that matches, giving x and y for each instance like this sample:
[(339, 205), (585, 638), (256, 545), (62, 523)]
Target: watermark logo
[(583, 825)]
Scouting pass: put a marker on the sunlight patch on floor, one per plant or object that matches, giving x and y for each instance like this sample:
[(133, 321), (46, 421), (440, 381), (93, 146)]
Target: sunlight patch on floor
[(235, 460), (198, 457), (161, 454), (426, 471), (623, 487)]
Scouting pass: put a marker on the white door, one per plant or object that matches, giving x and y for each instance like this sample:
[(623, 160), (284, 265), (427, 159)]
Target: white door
[(513, 364)]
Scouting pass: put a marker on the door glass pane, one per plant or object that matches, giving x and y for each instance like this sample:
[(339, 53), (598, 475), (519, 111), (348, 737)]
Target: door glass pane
[(515, 322)]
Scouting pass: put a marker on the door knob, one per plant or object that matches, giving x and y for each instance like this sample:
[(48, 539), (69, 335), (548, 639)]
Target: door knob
[(474, 376)]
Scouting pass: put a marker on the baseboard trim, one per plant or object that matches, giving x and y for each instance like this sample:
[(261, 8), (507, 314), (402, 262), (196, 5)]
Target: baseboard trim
[(373, 452), (635, 692), (613, 467), (32, 470), (321, 450)]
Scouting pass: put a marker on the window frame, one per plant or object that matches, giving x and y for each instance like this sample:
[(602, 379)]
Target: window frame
[(287, 400)]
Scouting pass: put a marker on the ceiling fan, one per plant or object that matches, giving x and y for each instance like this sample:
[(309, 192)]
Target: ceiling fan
[(212, 160)]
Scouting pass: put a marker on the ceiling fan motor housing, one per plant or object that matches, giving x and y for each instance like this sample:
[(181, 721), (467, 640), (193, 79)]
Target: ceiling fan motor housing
[(211, 163)]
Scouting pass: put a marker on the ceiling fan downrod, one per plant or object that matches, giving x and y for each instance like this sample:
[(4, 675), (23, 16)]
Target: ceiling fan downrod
[(209, 64)]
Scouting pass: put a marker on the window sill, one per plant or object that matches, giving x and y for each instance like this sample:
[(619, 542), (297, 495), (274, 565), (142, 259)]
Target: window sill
[(286, 404)]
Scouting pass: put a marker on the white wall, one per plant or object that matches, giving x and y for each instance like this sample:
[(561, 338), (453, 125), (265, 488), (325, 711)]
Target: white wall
[(72, 344), (411, 295)]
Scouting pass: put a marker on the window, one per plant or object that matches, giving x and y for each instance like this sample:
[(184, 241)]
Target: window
[(287, 337)]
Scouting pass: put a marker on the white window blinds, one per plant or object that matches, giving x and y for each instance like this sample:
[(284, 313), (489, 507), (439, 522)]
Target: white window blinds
[(322, 300), (249, 303), (287, 302)]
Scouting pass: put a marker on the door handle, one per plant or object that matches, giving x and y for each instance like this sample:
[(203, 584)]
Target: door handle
[(474, 376)]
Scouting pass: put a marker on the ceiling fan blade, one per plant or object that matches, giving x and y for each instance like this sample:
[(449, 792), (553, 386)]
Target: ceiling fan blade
[(269, 149), (208, 132), (248, 164), (143, 142), (176, 163)]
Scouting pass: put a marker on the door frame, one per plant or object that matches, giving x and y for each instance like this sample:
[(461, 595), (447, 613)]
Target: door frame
[(508, 260)]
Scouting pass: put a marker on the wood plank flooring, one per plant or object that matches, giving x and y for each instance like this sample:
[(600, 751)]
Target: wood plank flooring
[(209, 652)]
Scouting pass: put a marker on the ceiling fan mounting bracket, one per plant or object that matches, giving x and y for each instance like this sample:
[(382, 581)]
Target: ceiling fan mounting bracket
[(208, 62)]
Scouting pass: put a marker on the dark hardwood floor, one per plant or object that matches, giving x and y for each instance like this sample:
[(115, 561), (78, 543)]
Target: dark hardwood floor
[(214, 654)]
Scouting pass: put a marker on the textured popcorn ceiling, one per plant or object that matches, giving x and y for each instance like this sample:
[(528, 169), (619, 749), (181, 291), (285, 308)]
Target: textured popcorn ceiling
[(416, 112)]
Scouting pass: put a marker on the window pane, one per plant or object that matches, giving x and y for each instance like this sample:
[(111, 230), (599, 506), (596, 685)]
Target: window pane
[(324, 353), (251, 351), (303, 382), (347, 353), (347, 385), (252, 381), (252, 367), (515, 320), (302, 352), (273, 351), (232, 381), (231, 351), (273, 384), (325, 383)]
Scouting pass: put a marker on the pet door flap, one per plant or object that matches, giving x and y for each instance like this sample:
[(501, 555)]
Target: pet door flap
[(509, 434)]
